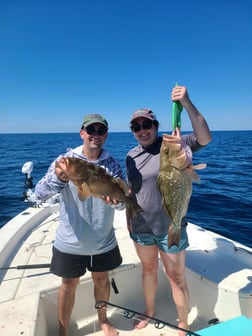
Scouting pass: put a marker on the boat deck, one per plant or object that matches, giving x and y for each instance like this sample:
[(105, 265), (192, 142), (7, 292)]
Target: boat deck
[(28, 296)]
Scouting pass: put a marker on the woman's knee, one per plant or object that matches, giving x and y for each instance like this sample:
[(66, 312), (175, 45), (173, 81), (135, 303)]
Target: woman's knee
[(150, 267), (177, 278)]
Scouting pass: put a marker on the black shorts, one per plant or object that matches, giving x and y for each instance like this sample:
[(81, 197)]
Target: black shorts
[(73, 266)]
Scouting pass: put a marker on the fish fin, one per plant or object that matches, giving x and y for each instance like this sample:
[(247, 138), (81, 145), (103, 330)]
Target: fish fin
[(194, 176), (81, 196), (165, 208), (199, 166), (191, 170), (173, 236), (84, 191), (159, 183), (134, 211), (123, 186), (133, 208)]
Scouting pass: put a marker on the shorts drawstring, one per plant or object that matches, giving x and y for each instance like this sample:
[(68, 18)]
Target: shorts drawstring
[(91, 261)]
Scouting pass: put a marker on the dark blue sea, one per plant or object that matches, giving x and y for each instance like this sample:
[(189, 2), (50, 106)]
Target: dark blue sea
[(222, 202)]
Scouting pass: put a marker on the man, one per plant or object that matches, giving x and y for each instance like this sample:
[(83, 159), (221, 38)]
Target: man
[(85, 238)]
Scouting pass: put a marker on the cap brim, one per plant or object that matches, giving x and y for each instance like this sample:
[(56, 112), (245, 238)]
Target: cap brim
[(95, 121), (142, 116)]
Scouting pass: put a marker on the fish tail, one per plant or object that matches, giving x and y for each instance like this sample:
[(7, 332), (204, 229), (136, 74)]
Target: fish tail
[(173, 236), (133, 208)]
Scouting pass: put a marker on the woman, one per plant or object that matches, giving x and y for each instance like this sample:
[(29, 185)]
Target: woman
[(149, 230)]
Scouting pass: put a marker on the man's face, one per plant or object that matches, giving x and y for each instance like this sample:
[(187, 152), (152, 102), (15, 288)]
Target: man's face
[(94, 135)]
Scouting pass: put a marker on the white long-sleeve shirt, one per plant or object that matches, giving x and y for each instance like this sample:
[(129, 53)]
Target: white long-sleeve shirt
[(85, 227)]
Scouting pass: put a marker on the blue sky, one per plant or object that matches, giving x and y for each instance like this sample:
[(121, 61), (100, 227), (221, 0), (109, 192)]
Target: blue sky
[(60, 60)]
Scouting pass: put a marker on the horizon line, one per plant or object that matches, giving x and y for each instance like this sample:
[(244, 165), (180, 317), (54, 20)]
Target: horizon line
[(160, 131)]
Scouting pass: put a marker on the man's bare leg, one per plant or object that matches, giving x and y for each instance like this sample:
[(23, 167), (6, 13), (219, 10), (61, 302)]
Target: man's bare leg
[(101, 293), (66, 298)]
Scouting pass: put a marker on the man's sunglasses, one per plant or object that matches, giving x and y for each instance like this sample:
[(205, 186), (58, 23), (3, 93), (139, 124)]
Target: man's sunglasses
[(91, 130), (146, 125)]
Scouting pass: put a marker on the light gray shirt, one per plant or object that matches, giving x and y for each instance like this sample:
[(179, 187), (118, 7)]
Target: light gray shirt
[(142, 167)]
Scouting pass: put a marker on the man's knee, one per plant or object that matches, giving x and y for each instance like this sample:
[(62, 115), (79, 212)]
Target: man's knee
[(100, 279), (69, 285)]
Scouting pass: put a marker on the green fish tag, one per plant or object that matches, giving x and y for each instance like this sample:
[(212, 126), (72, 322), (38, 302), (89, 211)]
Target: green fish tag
[(176, 114)]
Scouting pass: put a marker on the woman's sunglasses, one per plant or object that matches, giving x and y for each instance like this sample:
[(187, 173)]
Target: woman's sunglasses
[(91, 130), (146, 125)]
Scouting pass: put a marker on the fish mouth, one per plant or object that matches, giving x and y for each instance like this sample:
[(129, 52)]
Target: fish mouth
[(63, 164)]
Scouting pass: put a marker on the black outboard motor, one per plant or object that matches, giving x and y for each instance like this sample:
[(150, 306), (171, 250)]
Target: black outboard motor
[(29, 195)]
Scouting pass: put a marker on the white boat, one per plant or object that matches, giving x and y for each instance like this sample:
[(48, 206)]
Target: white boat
[(219, 275)]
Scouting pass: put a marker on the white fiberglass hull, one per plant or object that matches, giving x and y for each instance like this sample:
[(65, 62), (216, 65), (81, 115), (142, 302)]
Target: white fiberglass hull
[(219, 273)]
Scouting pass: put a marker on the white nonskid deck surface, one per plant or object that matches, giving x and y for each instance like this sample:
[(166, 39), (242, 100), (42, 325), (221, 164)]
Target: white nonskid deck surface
[(165, 311), (128, 299), (125, 326)]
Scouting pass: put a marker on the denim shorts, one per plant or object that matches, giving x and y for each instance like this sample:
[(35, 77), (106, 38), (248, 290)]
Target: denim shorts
[(73, 266), (161, 240)]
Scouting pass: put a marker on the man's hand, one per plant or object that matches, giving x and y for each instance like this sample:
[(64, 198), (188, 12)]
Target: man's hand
[(108, 200)]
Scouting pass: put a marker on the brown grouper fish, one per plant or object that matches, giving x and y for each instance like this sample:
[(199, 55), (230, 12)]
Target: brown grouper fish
[(175, 182), (92, 180)]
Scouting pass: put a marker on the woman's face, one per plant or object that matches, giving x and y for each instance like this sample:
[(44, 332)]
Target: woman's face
[(144, 131)]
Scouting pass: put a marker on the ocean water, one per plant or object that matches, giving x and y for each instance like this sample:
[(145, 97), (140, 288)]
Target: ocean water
[(222, 202)]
